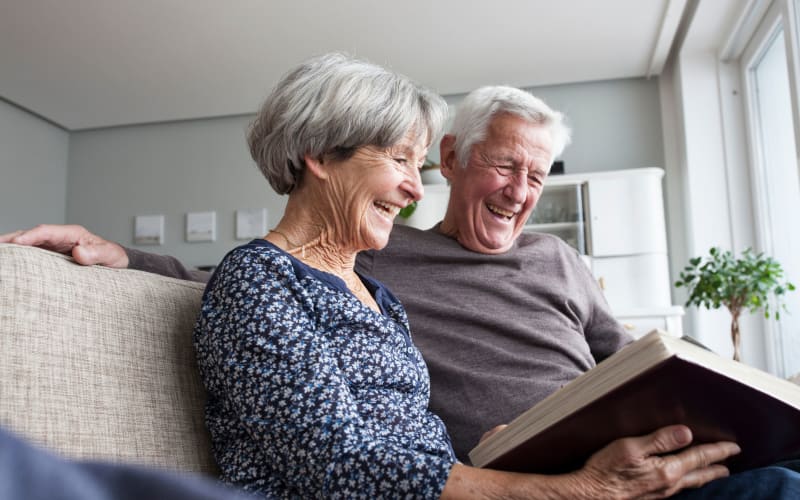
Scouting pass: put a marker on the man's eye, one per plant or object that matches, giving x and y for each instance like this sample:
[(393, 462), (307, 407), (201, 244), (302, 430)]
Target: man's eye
[(534, 180), (504, 169)]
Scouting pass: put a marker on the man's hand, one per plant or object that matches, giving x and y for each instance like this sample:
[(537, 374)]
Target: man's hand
[(86, 248), (652, 467)]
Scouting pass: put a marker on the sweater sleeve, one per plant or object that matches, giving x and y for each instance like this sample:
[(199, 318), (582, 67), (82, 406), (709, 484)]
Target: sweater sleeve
[(603, 332), (266, 359), (163, 265)]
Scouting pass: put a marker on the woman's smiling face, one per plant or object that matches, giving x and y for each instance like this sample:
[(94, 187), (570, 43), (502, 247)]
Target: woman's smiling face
[(368, 190)]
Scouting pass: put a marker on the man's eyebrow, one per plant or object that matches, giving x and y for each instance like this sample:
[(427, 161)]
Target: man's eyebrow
[(498, 157)]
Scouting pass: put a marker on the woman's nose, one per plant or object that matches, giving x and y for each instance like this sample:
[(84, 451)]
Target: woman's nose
[(414, 185)]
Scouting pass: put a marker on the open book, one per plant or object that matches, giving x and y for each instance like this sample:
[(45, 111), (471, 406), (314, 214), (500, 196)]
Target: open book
[(655, 381)]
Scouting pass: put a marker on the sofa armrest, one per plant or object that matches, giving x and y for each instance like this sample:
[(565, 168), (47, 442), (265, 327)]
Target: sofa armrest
[(98, 362)]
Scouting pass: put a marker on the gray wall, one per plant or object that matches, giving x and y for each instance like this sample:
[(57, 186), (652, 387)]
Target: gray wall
[(169, 169), (175, 168), (616, 124), (33, 170)]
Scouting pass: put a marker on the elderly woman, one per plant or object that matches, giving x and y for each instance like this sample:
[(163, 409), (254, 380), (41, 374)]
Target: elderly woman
[(315, 388)]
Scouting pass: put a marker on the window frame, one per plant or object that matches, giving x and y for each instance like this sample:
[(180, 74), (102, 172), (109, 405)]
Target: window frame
[(781, 15)]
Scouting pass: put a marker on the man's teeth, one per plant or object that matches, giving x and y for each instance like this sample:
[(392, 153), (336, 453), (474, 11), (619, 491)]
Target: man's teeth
[(499, 211), (390, 210)]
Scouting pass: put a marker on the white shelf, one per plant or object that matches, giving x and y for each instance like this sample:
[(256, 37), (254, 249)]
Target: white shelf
[(553, 226)]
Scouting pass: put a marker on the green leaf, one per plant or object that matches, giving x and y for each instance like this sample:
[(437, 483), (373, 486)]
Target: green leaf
[(406, 211)]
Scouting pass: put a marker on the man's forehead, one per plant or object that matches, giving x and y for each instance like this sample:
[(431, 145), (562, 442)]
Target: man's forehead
[(512, 151)]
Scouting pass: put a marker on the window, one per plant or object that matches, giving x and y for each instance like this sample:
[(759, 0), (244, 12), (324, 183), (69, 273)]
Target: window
[(766, 69)]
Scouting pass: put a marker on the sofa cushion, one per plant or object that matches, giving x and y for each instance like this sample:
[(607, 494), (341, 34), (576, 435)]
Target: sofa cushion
[(98, 362)]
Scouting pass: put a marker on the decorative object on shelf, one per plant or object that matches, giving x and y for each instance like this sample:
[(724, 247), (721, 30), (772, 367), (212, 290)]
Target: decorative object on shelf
[(431, 173), (148, 230), (557, 168), (744, 283), (201, 226), (251, 223)]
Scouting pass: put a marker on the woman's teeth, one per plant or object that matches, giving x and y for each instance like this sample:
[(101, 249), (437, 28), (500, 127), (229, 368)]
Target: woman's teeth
[(390, 210)]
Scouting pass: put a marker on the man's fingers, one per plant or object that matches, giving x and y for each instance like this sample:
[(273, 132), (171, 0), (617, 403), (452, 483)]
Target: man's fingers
[(9, 237), (85, 247), (57, 238)]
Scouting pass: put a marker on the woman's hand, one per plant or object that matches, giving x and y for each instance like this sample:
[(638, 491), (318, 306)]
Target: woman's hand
[(653, 467), (86, 248), (657, 465)]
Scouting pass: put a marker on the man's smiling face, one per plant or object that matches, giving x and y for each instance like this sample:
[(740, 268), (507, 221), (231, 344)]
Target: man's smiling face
[(492, 197)]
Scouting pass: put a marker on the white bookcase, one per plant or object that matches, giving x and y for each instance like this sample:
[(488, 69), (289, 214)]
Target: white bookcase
[(616, 219)]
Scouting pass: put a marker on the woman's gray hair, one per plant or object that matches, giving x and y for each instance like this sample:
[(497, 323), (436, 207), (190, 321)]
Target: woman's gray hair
[(476, 111), (332, 105)]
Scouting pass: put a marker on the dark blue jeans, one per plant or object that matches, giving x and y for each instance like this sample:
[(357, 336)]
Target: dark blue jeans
[(767, 483), (32, 474)]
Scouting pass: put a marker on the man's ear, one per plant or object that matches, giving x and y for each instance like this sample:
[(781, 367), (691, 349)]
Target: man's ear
[(447, 156), (316, 166)]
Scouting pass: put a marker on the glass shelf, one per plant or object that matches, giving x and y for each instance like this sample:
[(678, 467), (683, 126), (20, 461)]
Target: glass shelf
[(560, 211)]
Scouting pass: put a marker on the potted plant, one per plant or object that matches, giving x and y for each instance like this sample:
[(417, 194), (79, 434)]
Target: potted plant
[(737, 283), (406, 211)]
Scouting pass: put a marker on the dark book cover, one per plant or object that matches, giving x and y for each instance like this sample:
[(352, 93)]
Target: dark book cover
[(674, 391)]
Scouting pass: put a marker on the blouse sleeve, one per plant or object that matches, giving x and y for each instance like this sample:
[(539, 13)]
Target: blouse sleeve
[(264, 357), (163, 265)]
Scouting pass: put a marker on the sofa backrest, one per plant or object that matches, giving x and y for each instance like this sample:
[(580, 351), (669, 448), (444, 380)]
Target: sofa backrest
[(98, 363)]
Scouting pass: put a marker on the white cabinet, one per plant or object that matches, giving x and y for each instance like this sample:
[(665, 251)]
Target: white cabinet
[(633, 281), (430, 209), (626, 213), (617, 220), (639, 322)]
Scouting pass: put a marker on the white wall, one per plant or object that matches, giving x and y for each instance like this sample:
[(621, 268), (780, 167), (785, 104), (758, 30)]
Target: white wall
[(202, 165), (169, 169), (33, 170)]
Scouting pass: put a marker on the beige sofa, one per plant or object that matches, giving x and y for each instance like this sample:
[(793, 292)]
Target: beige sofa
[(98, 362)]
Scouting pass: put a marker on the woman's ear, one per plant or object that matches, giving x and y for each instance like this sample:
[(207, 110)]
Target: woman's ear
[(316, 166), (447, 153)]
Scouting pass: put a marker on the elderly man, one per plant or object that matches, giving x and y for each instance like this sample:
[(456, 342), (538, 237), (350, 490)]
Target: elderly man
[(502, 318)]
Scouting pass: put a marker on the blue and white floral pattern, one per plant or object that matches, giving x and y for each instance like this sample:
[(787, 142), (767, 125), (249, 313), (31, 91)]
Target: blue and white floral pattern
[(311, 393)]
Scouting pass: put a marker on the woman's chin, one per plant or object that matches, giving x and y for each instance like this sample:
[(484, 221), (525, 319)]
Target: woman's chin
[(377, 239)]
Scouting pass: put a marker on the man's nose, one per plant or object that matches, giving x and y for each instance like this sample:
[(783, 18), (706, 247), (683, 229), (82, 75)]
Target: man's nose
[(517, 186)]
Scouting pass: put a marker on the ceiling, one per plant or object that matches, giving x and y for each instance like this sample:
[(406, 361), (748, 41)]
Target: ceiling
[(97, 63)]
